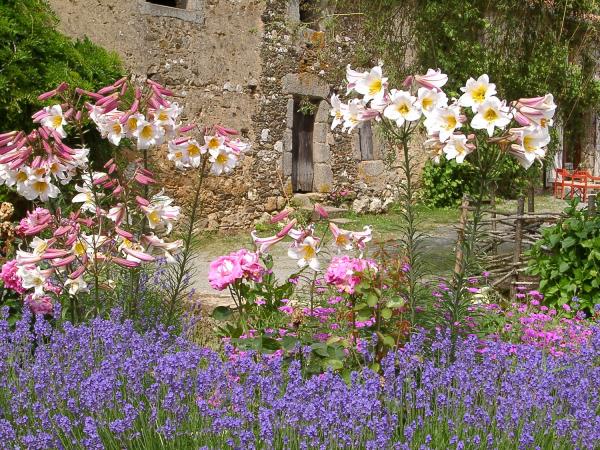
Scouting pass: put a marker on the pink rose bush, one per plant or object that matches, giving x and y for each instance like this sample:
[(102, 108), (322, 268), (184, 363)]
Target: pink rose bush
[(345, 272), (229, 269)]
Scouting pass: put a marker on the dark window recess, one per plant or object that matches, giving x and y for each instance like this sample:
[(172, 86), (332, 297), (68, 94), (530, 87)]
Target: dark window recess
[(365, 134), (308, 11), (182, 4), (302, 150)]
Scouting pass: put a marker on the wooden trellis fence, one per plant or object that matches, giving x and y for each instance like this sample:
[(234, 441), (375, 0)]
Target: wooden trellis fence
[(504, 238)]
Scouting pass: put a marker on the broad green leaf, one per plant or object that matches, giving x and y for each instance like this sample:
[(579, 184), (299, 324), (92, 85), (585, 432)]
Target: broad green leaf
[(221, 313)]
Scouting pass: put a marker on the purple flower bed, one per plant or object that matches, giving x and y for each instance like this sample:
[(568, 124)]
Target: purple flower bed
[(104, 385)]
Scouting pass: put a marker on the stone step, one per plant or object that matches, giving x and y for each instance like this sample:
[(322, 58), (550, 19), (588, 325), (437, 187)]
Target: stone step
[(332, 212), (341, 220)]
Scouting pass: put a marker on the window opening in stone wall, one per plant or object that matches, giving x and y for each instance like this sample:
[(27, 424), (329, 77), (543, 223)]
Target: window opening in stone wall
[(302, 147), (365, 134), (308, 11), (182, 4)]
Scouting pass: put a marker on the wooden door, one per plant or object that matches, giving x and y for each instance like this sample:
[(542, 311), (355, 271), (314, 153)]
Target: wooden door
[(302, 151)]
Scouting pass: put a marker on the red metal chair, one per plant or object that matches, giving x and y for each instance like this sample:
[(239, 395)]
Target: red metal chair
[(560, 177), (579, 184)]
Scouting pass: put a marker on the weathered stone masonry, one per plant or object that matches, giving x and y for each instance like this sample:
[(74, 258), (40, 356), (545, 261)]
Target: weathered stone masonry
[(247, 64)]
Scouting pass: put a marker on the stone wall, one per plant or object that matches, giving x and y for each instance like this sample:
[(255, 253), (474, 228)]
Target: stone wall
[(240, 63)]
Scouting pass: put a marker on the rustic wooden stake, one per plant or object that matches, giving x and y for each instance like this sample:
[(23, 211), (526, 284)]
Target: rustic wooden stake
[(531, 199), (518, 245), (464, 215), (591, 209)]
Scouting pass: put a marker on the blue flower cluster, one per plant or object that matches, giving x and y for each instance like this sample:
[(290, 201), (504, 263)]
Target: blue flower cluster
[(104, 385)]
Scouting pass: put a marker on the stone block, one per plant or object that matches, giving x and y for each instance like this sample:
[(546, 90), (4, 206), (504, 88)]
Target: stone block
[(323, 178), (289, 116), (371, 171), (321, 153), (320, 132), (288, 140), (286, 164), (323, 112), (305, 84), (271, 204)]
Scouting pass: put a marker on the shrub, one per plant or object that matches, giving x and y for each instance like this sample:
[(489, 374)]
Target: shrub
[(36, 58), (567, 259), (444, 184)]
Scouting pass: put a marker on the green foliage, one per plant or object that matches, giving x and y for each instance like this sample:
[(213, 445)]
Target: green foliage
[(567, 259), (445, 183), (35, 57)]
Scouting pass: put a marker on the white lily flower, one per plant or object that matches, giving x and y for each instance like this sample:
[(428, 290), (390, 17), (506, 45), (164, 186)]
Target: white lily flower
[(160, 213), (212, 143), (476, 92), (531, 146), (306, 252), (428, 100), (158, 247), (80, 158), (76, 286), (32, 278), (194, 152), (353, 77), (490, 114), (39, 187), (59, 171), (337, 111), (443, 121), (223, 160), (403, 108), (353, 115), (86, 197), (457, 148), (178, 154), (373, 85), (39, 245), (115, 131), (132, 124), (55, 119), (149, 134)]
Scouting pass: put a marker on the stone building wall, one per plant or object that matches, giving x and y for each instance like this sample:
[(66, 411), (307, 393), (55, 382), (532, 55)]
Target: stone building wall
[(241, 63)]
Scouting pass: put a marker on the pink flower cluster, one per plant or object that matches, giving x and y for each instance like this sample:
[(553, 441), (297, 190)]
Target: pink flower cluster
[(542, 327), (10, 277), (227, 269), (346, 272), (542, 331)]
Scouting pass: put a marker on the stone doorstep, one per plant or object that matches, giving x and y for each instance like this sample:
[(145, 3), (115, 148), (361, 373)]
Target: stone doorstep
[(332, 211)]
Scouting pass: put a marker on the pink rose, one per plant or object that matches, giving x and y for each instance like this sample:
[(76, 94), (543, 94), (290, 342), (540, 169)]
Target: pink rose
[(10, 278), (250, 264), (224, 271), (41, 304)]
